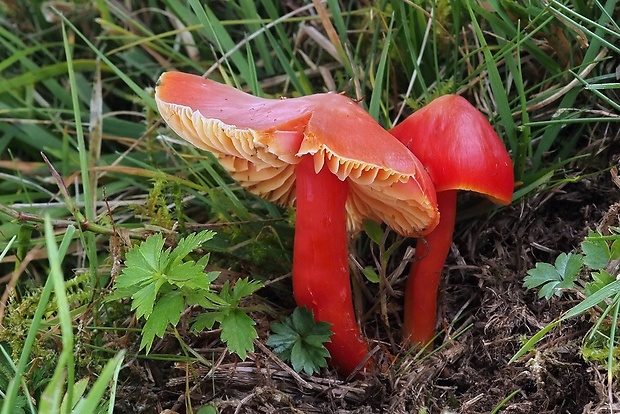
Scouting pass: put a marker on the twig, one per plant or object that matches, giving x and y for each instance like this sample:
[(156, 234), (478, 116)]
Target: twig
[(282, 365), (83, 225)]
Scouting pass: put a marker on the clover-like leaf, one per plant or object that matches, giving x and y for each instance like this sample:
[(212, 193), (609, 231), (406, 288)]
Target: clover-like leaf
[(300, 340), (554, 278)]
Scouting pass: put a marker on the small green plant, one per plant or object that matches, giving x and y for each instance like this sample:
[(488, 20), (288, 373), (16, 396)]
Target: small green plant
[(163, 283), (594, 275), (237, 327), (300, 340), (557, 278), (600, 255)]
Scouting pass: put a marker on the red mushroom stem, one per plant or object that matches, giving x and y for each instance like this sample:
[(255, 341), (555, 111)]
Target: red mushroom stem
[(425, 274), (320, 262)]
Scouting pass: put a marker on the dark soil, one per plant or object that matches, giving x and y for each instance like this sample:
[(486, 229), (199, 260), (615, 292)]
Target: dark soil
[(485, 313)]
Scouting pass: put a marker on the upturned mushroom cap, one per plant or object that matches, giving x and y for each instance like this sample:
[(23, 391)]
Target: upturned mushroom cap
[(459, 148), (259, 141)]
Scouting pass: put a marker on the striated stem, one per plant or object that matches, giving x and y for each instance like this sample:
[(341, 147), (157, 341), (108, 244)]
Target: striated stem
[(320, 263), (425, 274)]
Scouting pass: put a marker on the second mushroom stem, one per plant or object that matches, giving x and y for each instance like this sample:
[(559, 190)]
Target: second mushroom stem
[(425, 274), (320, 261)]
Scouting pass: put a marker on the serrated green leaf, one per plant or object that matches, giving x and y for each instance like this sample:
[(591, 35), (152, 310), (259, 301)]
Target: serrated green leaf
[(144, 300), (552, 279), (217, 301), (188, 275), (142, 263), (599, 281), (198, 298), (549, 289), (283, 337), (133, 278), (300, 360), (167, 311), (205, 321), (238, 332), (540, 274), (319, 335), (569, 265), (149, 254), (373, 230), (226, 294), (308, 359), (596, 252), (302, 321), (244, 288), (188, 244)]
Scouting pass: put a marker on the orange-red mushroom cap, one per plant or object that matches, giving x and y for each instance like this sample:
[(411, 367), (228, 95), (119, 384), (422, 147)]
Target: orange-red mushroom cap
[(459, 148), (259, 141)]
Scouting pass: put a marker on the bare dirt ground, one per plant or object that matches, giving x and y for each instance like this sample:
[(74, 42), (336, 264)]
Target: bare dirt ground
[(485, 312)]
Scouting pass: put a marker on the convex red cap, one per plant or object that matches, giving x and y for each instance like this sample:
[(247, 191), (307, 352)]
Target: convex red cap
[(459, 148)]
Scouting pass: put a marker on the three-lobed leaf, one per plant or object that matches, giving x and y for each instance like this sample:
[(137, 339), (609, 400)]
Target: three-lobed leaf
[(552, 279), (237, 327), (238, 332)]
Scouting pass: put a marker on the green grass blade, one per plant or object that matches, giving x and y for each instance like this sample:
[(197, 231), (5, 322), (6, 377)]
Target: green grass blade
[(608, 291), (135, 88), (66, 363), (216, 33), (551, 134), (379, 81), (612, 340), (13, 388), (249, 11), (107, 378), (497, 86), (88, 195)]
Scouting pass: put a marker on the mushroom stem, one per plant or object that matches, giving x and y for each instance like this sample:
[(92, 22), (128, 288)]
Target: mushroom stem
[(321, 279), (425, 274)]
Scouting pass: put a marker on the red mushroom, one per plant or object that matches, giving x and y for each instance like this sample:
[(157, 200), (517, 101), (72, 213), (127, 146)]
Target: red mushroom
[(326, 154), (460, 151)]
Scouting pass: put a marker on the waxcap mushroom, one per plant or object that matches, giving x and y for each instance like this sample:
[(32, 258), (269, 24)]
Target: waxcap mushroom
[(258, 141), (461, 151)]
